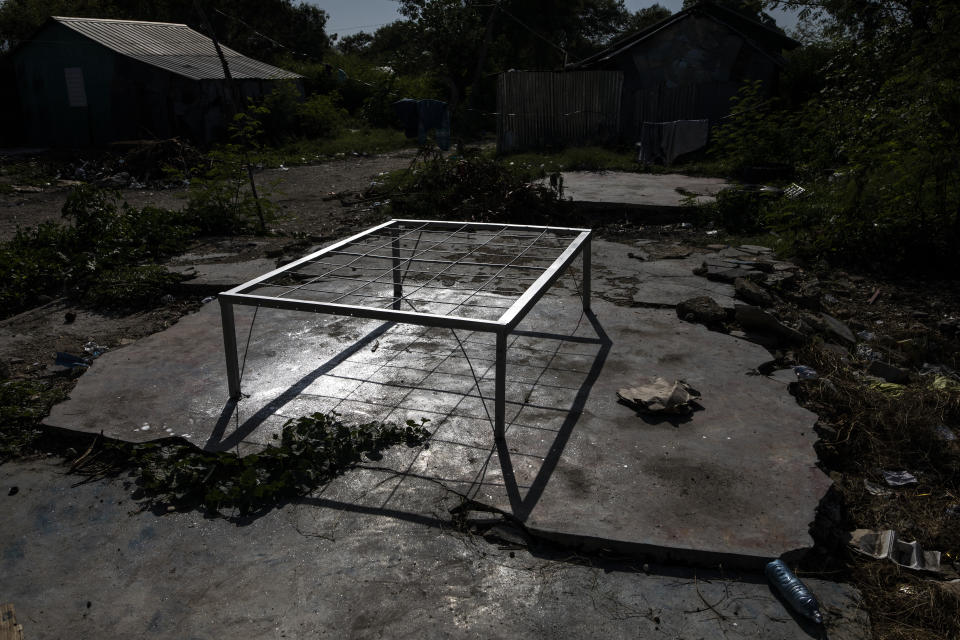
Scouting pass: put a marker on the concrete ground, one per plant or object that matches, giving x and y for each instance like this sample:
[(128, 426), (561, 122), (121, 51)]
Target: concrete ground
[(83, 562), (638, 190), (735, 484)]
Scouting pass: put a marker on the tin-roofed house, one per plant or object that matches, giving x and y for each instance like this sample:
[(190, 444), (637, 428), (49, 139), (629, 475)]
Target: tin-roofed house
[(85, 81)]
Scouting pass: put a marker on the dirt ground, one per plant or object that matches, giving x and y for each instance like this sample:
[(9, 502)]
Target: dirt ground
[(317, 201), (304, 195)]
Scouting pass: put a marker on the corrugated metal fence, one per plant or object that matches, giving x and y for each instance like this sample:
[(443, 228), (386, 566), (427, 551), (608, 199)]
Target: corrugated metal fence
[(544, 109)]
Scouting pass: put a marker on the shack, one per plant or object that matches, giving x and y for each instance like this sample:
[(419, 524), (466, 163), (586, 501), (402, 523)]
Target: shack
[(86, 82), (685, 67), (688, 66)]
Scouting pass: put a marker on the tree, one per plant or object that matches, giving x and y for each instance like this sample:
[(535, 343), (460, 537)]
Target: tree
[(888, 120), (646, 17)]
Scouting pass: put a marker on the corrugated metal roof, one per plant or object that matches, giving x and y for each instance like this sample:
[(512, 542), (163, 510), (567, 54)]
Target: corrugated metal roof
[(174, 47)]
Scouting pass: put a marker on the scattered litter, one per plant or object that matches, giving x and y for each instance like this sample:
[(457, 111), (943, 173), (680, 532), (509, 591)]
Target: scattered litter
[(712, 232), (939, 369), (866, 353), (207, 299), (167, 299), (794, 191), (885, 544), (95, 350), (898, 478), (376, 345), (793, 590), (875, 489), (70, 360), (658, 395), (805, 373), (943, 383), (873, 298), (945, 433), (866, 336), (889, 388)]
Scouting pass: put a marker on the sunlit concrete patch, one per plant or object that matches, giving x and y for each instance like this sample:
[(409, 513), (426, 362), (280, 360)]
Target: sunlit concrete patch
[(638, 189), (737, 479)]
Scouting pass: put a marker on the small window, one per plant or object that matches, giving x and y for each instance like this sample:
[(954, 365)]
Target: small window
[(76, 92)]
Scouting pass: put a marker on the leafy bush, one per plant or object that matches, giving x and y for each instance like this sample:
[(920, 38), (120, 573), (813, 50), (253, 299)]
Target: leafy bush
[(23, 403), (99, 258), (757, 135), (223, 196), (130, 286), (320, 117), (471, 187), (312, 450)]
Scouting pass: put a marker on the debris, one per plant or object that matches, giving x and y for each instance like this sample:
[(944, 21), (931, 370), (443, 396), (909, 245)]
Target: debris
[(899, 478), (69, 360), (890, 388), (14, 490), (838, 328), (752, 293), (805, 373), (9, 629), (756, 319), (95, 350), (702, 309), (888, 372), (754, 249), (376, 345), (866, 336), (945, 433), (207, 299), (794, 191), (866, 353), (885, 544), (875, 489), (657, 395), (793, 590), (874, 297), (943, 383)]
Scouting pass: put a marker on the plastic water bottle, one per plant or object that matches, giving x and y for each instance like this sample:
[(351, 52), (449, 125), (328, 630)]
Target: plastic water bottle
[(795, 592)]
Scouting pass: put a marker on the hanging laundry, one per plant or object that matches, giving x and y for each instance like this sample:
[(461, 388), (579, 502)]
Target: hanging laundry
[(666, 141)]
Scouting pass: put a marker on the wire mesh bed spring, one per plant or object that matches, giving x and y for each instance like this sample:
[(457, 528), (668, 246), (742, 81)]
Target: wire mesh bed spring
[(456, 275)]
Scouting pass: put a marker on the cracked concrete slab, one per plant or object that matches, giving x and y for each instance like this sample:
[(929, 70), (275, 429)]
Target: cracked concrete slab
[(83, 562), (737, 483), (638, 189)]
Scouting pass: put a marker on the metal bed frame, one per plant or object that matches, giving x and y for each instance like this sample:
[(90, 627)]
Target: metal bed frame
[(462, 275)]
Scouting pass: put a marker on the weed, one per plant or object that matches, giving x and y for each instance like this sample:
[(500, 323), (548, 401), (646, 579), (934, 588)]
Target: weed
[(470, 187), (99, 258), (311, 451), (130, 286), (23, 403)]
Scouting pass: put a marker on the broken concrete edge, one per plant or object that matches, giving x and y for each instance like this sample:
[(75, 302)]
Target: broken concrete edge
[(667, 555), (651, 214), (61, 440)]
